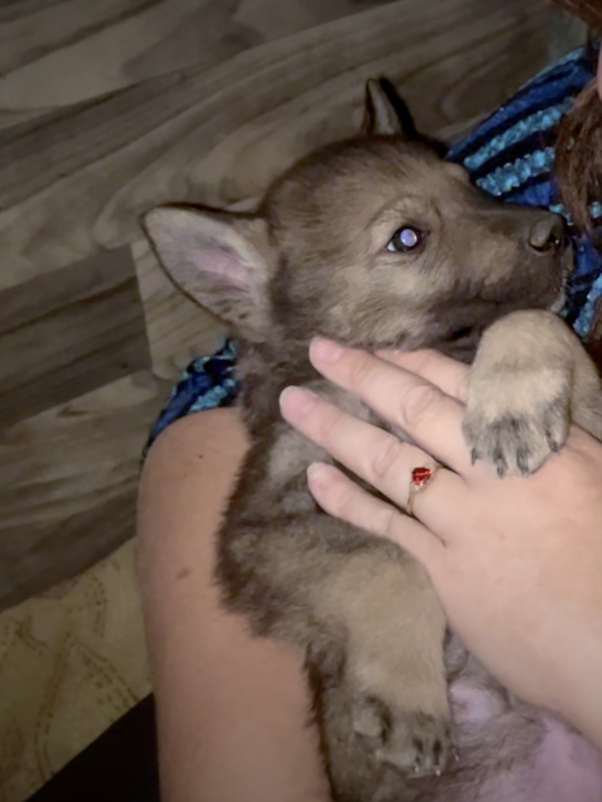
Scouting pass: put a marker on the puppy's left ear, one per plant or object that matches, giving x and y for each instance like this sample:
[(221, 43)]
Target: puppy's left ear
[(220, 259), (385, 113)]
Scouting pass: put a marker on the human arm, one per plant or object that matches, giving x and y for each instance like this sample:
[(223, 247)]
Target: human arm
[(232, 710)]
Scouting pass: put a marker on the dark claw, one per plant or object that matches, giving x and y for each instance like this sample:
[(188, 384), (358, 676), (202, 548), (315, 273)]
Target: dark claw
[(438, 754), (522, 461), (500, 461), (474, 456)]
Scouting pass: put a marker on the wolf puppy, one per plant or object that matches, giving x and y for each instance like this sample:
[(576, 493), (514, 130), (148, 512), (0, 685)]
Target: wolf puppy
[(377, 243)]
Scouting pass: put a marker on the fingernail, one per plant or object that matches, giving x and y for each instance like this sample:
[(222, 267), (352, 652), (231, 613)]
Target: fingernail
[(316, 473), (318, 476), (325, 350), (298, 399)]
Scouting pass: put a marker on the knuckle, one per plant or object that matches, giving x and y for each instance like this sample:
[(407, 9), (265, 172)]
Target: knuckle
[(418, 403), (360, 371), (386, 458)]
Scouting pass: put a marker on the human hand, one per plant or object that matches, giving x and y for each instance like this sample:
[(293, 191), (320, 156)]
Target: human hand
[(516, 562)]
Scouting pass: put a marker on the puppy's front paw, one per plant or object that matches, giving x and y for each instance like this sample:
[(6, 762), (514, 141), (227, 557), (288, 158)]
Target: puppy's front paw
[(516, 419)]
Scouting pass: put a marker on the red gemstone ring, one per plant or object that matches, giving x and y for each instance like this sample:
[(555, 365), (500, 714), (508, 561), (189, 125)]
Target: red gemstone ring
[(420, 479)]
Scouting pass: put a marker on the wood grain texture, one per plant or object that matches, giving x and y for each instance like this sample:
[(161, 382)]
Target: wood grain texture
[(68, 480), (121, 42), (75, 181), (565, 32), (589, 11), (70, 332)]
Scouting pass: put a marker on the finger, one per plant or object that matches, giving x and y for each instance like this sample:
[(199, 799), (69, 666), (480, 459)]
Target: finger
[(432, 419), (373, 454), (341, 497), (447, 374)]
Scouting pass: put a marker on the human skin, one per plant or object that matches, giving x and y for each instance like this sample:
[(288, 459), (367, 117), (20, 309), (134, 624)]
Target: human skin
[(517, 563), (232, 710)]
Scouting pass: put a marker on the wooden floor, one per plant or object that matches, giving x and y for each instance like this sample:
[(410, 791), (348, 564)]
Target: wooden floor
[(108, 107)]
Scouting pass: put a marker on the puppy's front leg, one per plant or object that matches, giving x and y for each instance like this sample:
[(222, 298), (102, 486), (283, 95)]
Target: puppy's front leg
[(530, 379)]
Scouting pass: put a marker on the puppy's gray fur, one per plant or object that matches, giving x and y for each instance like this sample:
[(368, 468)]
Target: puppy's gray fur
[(316, 259)]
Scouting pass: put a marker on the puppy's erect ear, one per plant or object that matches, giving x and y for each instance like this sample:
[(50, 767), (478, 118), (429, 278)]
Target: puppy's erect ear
[(385, 112), (219, 259)]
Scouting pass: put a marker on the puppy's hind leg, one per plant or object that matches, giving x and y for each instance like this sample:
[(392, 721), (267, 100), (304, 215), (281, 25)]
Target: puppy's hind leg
[(382, 702), (372, 629)]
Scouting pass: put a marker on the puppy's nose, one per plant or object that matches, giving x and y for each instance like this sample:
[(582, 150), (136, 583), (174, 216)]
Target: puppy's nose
[(547, 234)]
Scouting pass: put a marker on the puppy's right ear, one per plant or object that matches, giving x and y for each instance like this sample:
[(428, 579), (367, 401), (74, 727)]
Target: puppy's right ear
[(220, 259), (385, 112)]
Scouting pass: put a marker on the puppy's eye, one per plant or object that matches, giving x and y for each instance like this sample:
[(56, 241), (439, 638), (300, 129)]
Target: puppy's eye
[(405, 239)]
